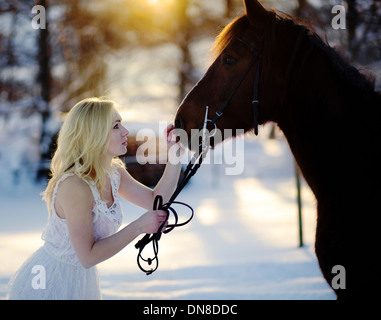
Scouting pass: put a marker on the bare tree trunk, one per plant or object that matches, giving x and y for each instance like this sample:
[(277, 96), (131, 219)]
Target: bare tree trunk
[(352, 21), (302, 6), (186, 67), (229, 8), (11, 60), (44, 78)]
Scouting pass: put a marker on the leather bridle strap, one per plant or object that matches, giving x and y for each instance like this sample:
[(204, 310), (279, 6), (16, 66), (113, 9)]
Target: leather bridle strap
[(192, 168), (255, 101)]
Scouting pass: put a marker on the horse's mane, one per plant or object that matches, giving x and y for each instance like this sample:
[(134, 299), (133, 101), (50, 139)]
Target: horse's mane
[(346, 72), (349, 74), (228, 33)]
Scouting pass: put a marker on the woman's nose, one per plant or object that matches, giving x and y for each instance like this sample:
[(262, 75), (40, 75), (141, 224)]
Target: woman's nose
[(126, 132)]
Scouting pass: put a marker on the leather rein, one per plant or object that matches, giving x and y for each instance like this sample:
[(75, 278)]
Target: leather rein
[(193, 166)]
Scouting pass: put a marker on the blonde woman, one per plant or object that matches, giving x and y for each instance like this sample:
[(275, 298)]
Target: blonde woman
[(83, 202)]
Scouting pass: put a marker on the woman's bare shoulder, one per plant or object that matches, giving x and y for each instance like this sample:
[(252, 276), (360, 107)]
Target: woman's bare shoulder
[(73, 191), (75, 182)]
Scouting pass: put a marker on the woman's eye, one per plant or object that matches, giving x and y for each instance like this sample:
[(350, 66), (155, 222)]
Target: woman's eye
[(229, 61), (116, 126)]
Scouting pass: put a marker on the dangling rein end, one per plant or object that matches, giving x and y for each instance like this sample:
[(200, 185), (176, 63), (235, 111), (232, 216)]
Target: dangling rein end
[(158, 204), (154, 238)]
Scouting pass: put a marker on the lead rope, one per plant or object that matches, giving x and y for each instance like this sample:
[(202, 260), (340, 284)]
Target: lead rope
[(190, 170)]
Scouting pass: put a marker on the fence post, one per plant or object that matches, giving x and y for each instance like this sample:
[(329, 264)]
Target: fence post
[(299, 200)]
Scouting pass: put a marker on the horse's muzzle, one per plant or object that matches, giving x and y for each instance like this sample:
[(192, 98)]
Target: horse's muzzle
[(179, 123)]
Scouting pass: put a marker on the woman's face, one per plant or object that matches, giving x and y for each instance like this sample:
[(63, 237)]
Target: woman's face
[(118, 137)]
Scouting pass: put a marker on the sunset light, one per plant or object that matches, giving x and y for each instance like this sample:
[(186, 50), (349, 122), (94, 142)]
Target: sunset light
[(275, 200), (160, 2)]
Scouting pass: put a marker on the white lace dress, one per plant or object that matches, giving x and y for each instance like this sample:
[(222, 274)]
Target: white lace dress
[(54, 272)]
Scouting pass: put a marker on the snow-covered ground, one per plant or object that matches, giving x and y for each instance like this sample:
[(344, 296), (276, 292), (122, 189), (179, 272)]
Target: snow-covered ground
[(241, 244), (243, 240)]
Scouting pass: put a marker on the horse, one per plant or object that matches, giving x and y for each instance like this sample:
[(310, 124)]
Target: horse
[(271, 68)]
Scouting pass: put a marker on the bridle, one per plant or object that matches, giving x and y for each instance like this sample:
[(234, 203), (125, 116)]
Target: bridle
[(254, 101), (195, 164)]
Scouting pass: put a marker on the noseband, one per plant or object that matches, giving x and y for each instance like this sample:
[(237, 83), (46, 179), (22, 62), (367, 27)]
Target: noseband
[(257, 56)]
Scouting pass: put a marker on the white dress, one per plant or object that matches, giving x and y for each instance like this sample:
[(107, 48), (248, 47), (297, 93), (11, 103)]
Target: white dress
[(54, 272)]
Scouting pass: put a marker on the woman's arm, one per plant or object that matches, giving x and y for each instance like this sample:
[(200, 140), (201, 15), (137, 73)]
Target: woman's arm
[(75, 201), (137, 193)]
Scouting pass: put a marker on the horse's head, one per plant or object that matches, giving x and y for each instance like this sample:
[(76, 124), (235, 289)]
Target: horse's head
[(231, 77)]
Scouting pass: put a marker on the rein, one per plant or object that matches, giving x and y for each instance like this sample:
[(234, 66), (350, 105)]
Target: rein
[(193, 166)]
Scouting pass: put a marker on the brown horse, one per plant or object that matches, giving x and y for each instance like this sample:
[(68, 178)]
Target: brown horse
[(331, 117)]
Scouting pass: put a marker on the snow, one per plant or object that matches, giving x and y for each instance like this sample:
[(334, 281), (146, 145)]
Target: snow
[(243, 240), (241, 244)]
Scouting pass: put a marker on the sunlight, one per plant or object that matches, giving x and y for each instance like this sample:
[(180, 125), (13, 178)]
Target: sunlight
[(15, 248), (163, 3), (273, 207), (265, 207), (207, 212)]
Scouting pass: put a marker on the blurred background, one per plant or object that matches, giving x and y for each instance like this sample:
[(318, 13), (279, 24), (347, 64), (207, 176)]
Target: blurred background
[(146, 55)]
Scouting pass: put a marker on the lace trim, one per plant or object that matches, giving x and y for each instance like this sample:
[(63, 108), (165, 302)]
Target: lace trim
[(106, 221), (113, 212)]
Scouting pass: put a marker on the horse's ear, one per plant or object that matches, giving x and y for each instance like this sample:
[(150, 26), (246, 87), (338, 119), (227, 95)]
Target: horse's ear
[(255, 12)]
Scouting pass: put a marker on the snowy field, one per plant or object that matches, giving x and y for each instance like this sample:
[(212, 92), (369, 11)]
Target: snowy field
[(241, 244), (243, 240)]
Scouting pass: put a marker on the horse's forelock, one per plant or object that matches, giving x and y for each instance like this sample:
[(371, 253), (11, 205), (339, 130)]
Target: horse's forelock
[(228, 33)]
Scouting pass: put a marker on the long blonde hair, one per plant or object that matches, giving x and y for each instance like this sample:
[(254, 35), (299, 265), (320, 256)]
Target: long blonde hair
[(82, 145)]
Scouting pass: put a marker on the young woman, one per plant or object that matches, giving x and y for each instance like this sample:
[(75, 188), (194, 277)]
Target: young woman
[(83, 202)]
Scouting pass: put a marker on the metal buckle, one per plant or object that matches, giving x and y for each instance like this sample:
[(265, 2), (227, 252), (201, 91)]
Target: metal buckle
[(204, 144)]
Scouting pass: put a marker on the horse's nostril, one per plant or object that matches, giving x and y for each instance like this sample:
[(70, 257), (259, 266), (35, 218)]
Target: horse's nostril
[(178, 123)]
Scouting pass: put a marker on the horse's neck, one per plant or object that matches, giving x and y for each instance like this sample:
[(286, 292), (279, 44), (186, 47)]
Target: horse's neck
[(319, 120)]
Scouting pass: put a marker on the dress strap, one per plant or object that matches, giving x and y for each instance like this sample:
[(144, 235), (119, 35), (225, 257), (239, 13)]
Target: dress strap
[(94, 189), (114, 179), (91, 185)]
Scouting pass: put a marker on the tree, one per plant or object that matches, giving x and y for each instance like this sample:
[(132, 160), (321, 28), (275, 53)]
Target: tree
[(51, 67), (83, 37), (44, 74), (364, 30)]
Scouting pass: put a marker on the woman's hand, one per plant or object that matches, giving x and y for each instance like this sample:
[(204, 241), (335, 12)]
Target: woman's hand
[(151, 221), (170, 135)]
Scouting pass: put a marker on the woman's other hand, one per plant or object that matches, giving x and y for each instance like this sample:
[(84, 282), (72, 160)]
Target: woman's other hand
[(151, 221)]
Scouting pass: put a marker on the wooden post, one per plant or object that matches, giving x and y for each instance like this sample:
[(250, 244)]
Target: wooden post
[(299, 200)]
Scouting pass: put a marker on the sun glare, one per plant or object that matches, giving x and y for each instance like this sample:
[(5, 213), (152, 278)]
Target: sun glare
[(160, 12), (159, 2)]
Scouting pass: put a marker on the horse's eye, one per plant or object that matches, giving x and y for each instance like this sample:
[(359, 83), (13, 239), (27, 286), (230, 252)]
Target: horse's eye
[(229, 61)]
